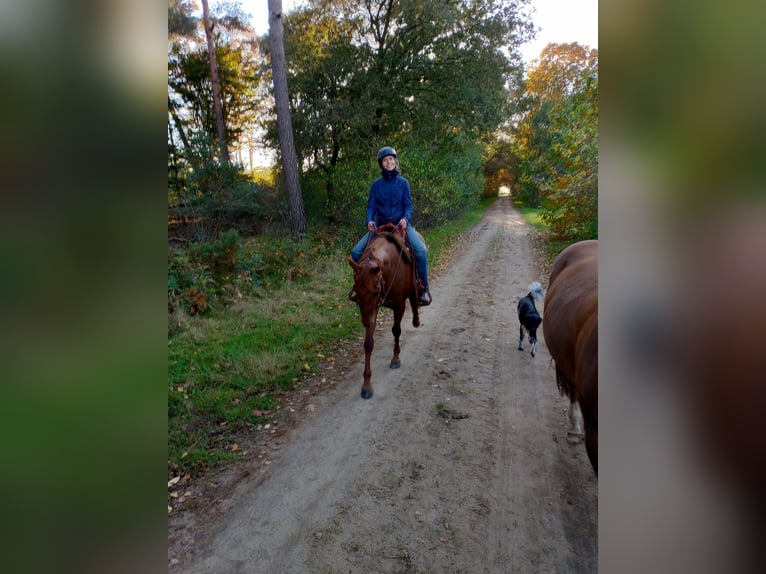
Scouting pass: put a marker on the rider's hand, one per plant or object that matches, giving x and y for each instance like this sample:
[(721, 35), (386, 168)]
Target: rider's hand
[(403, 223), (371, 225)]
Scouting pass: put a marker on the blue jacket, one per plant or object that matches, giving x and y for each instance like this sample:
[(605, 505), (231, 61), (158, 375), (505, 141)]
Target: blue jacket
[(389, 199)]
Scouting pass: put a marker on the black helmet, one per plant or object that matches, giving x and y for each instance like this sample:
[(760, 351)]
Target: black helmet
[(384, 151)]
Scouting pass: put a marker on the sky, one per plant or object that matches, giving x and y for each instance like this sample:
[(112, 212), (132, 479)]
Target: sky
[(559, 21)]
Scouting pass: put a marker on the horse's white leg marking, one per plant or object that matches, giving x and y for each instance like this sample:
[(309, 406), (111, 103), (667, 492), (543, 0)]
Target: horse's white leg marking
[(575, 420)]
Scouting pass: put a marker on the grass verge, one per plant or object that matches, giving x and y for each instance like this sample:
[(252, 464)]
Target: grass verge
[(228, 369), (551, 247)]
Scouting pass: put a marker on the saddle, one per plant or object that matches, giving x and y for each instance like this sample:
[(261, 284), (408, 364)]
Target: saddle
[(400, 236)]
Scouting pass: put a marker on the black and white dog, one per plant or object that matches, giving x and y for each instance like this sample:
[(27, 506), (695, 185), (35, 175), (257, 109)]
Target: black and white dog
[(529, 318)]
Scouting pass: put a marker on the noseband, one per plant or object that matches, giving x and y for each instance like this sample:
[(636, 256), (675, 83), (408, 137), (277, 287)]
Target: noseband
[(381, 287)]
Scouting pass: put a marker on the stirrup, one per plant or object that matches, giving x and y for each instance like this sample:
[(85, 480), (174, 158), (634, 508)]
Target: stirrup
[(424, 298)]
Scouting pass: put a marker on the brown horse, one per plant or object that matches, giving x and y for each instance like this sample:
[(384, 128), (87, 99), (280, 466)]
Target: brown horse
[(385, 275), (570, 328)]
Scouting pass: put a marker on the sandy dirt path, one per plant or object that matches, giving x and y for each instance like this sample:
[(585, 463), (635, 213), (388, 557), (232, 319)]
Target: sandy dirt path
[(459, 463)]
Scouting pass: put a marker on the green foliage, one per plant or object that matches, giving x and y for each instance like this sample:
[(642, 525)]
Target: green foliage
[(202, 187), (219, 272), (445, 181), (213, 194), (571, 203), (428, 77), (196, 279), (557, 142), (190, 99), (228, 369), (220, 256)]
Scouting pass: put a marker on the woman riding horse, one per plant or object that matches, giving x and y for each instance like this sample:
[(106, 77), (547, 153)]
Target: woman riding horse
[(390, 201)]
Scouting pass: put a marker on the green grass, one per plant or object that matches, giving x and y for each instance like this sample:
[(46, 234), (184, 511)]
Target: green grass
[(229, 369), (552, 247), (531, 214)]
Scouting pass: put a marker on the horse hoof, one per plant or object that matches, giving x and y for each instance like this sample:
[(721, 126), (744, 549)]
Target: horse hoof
[(366, 393), (396, 364)]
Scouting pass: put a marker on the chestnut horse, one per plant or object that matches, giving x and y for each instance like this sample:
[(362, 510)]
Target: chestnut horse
[(385, 275), (570, 328)]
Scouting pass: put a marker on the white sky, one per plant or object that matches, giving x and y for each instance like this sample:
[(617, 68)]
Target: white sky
[(559, 21)]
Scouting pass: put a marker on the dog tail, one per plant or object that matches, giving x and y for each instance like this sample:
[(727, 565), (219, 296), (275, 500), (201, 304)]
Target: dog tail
[(536, 290)]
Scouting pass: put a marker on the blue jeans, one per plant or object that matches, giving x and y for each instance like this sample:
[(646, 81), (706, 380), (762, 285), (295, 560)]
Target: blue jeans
[(419, 250)]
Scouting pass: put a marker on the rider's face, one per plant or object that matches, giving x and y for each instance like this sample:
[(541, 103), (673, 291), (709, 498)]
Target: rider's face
[(388, 163)]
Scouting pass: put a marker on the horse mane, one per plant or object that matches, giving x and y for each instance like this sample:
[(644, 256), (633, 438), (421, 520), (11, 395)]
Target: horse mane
[(399, 242)]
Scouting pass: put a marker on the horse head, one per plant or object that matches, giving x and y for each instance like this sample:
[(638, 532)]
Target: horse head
[(368, 285)]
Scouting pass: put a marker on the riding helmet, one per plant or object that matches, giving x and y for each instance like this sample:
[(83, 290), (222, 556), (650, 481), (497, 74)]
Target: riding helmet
[(384, 151)]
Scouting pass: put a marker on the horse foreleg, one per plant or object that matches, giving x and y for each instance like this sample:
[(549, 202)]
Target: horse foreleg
[(369, 345), (397, 330)]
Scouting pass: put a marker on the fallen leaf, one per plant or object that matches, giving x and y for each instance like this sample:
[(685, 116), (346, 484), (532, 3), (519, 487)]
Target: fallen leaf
[(234, 447), (172, 481)]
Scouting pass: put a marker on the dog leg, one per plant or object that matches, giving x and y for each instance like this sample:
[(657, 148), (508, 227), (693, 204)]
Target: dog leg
[(521, 337)]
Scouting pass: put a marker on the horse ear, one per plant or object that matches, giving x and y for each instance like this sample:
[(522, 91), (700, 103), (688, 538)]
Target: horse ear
[(354, 264)]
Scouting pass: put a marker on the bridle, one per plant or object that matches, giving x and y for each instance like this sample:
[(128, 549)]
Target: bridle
[(382, 291)]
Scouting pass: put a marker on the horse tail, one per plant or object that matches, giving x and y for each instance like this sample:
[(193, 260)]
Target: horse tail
[(396, 240), (566, 387)]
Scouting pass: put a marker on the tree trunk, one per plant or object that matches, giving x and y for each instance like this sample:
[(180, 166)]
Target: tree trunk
[(216, 83), (284, 123)]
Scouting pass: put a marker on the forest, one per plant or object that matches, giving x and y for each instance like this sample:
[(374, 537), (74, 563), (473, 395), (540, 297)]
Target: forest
[(445, 87)]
